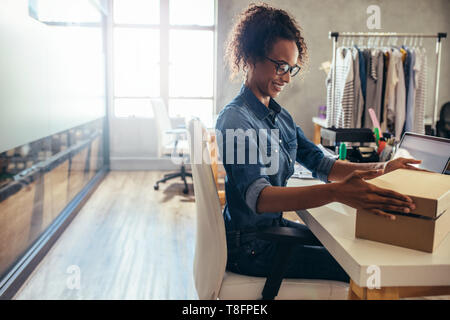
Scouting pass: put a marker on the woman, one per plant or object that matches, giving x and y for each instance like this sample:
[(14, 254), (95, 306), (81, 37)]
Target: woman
[(267, 45)]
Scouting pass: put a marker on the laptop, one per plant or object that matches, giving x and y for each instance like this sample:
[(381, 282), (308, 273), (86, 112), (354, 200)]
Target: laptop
[(433, 151)]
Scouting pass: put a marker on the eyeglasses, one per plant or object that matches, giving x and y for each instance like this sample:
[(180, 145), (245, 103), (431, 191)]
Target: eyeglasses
[(283, 68)]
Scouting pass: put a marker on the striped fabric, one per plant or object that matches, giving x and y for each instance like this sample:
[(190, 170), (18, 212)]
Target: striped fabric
[(421, 68), (342, 117), (373, 65)]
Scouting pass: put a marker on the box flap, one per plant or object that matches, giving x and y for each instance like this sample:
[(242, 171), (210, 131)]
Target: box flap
[(430, 191)]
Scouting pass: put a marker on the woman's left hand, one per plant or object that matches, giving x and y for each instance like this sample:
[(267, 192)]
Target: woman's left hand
[(401, 163)]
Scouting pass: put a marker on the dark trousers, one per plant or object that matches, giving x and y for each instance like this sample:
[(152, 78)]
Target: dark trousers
[(255, 257)]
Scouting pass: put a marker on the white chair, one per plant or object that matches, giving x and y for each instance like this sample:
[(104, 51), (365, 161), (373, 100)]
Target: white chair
[(211, 279), (171, 142)]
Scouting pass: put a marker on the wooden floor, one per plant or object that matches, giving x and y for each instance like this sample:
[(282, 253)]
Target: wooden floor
[(128, 242)]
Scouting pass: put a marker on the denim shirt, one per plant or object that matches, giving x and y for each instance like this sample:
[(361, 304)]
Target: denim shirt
[(286, 143)]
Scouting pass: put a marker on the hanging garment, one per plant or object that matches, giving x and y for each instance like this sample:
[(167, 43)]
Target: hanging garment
[(406, 66), (344, 91), (400, 99), (383, 90), (366, 54), (396, 107), (362, 72), (389, 88), (359, 99), (374, 87), (404, 55), (420, 78), (410, 91), (348, 99)]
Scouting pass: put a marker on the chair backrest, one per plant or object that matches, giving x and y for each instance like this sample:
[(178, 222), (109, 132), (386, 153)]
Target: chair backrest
[(163, 124), (443, 125), (210, 248)]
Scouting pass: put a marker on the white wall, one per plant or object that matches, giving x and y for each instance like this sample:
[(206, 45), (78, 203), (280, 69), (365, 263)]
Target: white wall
[(51, 78), (317, 18)]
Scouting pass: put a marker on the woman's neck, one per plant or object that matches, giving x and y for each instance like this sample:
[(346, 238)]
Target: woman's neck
[(258, 94)]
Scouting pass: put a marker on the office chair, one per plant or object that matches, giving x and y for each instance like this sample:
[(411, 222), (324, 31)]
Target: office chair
[(443, 125), (212, 280), (170, 143)]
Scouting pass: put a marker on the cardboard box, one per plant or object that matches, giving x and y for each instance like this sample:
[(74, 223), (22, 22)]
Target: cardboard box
[(426, 226)]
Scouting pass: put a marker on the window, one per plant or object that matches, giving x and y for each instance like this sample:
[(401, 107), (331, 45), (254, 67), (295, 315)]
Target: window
[(191, 66), (164, 48), (186, 108), (136, 62), (139, 107), (136, 11)]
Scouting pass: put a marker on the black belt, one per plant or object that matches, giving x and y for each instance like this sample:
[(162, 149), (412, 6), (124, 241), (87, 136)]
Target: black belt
[(235, 239)]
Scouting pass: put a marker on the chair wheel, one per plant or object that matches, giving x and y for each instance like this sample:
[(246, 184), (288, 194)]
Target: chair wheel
[(156, 187), (185, 191)]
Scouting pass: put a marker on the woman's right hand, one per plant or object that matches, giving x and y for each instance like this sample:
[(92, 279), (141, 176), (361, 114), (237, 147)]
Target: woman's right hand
[(357, 193)]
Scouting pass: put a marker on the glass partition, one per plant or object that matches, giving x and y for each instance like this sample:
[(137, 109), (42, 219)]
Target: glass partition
[(39, 179)]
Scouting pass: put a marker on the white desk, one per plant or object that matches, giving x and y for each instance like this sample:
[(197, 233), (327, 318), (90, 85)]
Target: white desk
[(402, 272)]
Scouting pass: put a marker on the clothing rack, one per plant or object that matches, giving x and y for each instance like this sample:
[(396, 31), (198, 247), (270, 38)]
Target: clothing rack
[(335, 35)]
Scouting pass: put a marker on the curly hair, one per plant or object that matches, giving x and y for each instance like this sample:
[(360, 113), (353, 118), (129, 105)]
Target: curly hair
[(255, 32)]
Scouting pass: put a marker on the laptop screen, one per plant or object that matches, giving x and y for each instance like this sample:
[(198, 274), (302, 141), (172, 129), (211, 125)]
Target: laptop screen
[(433, 151)]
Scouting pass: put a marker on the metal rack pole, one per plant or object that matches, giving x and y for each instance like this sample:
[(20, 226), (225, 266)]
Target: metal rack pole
[(330, 113), (386, 34)]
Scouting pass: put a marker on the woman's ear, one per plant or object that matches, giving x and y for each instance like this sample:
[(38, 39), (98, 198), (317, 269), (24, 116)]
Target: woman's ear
[(251, 66)]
